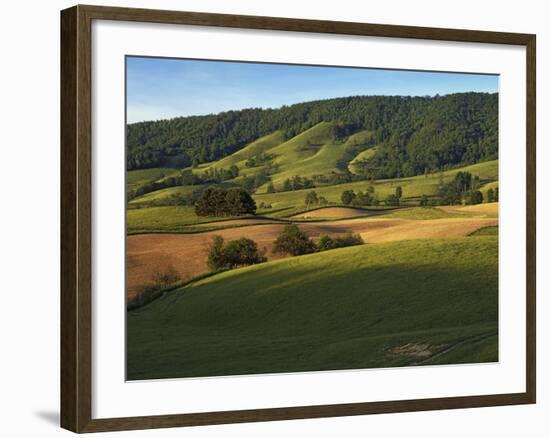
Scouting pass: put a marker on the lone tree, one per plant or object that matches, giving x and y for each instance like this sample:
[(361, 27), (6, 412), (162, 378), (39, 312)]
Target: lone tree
[(234, 171), (490, 195), (287, 185), (423, 201), (270, 188), (215, 201), (311, 198), (293, 241), (398, 192), (347, 197)]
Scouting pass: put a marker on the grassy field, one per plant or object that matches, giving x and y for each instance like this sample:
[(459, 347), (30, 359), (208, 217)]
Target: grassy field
[(239, 158), (404, 303), (175, 219), (136, 178), (312, 152), (422, 213), (162, 194), (292, 202), (413, 187), (486, 231), (163, 219)]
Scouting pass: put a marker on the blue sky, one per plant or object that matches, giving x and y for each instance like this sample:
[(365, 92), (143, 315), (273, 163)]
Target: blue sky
[(160, 88)]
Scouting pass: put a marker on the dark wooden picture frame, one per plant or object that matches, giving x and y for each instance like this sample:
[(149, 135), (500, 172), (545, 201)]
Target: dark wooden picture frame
[(76, 218)]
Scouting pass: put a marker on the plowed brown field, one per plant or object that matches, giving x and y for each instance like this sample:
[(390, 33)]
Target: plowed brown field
[(151, 254)]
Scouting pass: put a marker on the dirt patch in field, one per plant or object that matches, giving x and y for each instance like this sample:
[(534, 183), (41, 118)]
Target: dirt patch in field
[(412, 350), (482, 210), (333, 212), (148, 255)]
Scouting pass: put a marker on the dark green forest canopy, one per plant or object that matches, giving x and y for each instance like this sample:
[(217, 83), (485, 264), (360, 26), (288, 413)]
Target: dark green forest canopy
[(413, 134)]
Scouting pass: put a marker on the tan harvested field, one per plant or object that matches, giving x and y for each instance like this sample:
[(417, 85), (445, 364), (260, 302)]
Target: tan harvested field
[(482, 210), (151, 254), (334, 212), (428, 229)]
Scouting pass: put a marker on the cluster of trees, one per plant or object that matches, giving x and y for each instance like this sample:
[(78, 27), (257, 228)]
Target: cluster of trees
[(360, 199), (289, 184), (233, 254), (219, 175), (224, 255), (345, 176), (297, 183), (464, 188), (394, 199), (368, 198), (313, 199), (251, 183), (413, 134), (216, 201), (293, 241), (327, 242), (259, 160)]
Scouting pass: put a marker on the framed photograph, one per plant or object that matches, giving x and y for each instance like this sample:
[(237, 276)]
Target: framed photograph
[(270, 218)]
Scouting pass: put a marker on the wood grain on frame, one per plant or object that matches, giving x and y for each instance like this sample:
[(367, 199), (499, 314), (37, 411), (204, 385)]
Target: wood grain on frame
[(76, 168)]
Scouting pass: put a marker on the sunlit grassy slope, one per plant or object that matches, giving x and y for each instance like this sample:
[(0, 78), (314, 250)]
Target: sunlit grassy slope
[(288, 203), (162, 194), (135, 178), (239, 158), (313, 152), (347, 308), (413, 187), (159, 218)]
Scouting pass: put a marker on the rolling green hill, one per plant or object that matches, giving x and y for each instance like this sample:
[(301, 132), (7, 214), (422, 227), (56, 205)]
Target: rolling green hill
[(316, 151), (313, 152), (239, 158), (412, 134), (288, 203), (413, 187), (162, 195), (404, 303), (137, 178)]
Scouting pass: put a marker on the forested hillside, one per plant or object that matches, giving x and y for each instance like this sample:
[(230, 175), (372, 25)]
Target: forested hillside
[(408, 135)]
